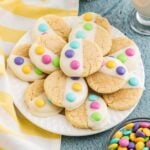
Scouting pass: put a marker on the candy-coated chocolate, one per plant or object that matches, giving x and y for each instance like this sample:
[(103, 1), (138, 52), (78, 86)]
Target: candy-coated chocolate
[(120, 70), (139, 139), (136, 126), (46, 59), (124, 142), (148, 143), (42, 27), (129, 126), (75, 64), (56, 62), (80, 35), (93, 97), (133, 81), (26, 69), (40, 102), (38, 71), (131, 145), (96, 116), (95, 105), (74, 44), (126, 132), (19, 60), (122, 58), (118, 134), (114, 140), (88, 26), (146, 131), (77, 87), (144, 124), (70, 97), (112, 147), (130, 52), (122, 148), (132, 136), (111, 64), (139, 146), (69, 53), (140, 134), (88, 17), (39, 50)]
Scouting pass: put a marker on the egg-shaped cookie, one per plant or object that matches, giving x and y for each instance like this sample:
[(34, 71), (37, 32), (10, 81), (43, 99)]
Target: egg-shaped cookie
[(80, 58), (45, 53), (92, 114), (128, 96), (91, 31), (21, 66), (37, 102), (127, 52), (111, 76), (65, 91)]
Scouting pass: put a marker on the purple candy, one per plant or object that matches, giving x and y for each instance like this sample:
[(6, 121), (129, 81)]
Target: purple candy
[(144, 125), (136, 126), (19, 60), (75, 78), (69, 53), (131, 145), (120, 70), (140, 134)]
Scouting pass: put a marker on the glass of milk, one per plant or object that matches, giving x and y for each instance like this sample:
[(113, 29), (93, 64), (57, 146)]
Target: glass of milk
[(140, 17)]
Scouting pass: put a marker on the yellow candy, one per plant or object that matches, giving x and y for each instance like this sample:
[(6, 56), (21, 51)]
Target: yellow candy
[(139, 139), (112, 146), (132, 137), (140, 129), (139, 146), (129, 126), (27, 69), (40, 102), (146, 131), (88, 17), (39, 50), (77, 87), (122, 148), (110, 64), (118, 135)]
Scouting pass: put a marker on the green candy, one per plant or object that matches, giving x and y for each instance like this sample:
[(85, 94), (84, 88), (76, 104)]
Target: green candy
[(88, 26), (38, 71), (56, 62), (122, 58), (114, 140), (96, 116)]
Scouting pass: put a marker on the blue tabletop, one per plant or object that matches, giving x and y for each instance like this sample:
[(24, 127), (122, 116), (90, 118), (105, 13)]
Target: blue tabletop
[(117, 11)]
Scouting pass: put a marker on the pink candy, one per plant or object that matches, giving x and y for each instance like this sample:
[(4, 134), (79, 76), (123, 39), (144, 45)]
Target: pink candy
[(75, 64), (46, 59), (95, 105), (130, 52), (124, 142), (148, 143), (144, 125)]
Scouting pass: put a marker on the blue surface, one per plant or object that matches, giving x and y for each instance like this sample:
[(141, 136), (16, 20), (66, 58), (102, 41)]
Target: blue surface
[(117, 11)]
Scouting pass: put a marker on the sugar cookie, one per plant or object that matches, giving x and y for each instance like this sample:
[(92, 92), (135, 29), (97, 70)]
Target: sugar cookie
[(37, 102), (127, 52), (92, 114), (128, 96), (98, 19), (65, 92), (21, 65), (111, 76), (91, 31), (59, 25), (80, 58)]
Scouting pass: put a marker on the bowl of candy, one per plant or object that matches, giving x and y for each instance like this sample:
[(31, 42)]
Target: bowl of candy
[(133, 134)]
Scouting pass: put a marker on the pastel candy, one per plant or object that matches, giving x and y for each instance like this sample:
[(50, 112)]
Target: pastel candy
[(70, 97), (75, 64), (43, 27), (96, 116), (69, 53), (93, 97), (80, 35), (74, 44), (121, 70), (19, 60), (130, 52), (133, 81), (46, 59), (95, 105)]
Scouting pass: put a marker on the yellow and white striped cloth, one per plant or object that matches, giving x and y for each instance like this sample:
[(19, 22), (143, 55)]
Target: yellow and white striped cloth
[(16, 17)]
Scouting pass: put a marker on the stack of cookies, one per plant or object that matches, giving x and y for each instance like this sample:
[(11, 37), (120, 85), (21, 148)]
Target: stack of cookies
[(79, 68)]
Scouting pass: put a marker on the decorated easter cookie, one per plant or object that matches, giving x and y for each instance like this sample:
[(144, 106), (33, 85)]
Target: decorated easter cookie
[(80, 58), (37, 102), (99, 20), (128, 96), (47, 59), (64, 91), (127, 52), (92, 114), (93, 32), (111, 76), (59, 25), (21, 65)]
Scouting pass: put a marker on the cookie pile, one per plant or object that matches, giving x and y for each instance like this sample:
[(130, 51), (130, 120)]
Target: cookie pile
[(77, 66)]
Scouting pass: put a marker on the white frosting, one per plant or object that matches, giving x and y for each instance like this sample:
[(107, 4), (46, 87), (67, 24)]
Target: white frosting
[(132, 62), (47, 110), (37, 59), (89, 34), (112, 71), (80, 95), (35, 31), (17, 69), (95, 125), (65, 62)]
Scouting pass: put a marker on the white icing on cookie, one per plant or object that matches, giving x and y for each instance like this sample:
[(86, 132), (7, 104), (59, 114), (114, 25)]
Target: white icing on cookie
[(85, 30), (76, 92), (41, 27), (43, 58), (114, 67), (42, 107), (71, 60), (97, 113), (130, 56), (23, 68)]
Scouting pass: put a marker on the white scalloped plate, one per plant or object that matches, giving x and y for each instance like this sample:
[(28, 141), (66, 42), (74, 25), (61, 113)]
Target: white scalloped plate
[(58, 123)]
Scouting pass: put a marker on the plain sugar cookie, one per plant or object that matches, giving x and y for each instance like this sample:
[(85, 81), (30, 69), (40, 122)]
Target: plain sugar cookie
[(128, 96), (64, 91), (92, 114), (98, 19), (111, 76), (91, 31), (37, 102), (80, 58), (21, 66), (59, 25)]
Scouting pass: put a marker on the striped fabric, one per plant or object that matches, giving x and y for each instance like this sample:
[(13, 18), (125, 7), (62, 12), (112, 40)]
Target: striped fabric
[(16, 17)]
